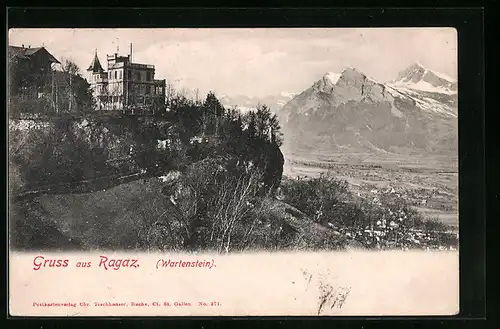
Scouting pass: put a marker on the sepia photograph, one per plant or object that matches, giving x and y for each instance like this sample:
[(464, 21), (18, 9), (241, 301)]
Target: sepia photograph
[(306, 161)]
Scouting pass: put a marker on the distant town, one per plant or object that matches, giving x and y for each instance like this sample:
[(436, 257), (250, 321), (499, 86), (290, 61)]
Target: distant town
[(46, 85)]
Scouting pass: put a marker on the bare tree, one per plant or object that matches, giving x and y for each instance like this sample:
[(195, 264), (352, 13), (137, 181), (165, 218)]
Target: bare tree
[(169, 94), (184, 93), (233, 206), (213, 208), (197, 96), (70, 69)]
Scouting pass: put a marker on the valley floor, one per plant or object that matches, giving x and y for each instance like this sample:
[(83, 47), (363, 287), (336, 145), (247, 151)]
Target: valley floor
[(429, 184)]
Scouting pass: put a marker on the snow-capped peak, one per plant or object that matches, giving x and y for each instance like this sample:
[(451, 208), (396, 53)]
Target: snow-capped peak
[(444, 76), (351, 68), (333, 77), (418, 77), (439, 74), (417, 71), (287, 94)]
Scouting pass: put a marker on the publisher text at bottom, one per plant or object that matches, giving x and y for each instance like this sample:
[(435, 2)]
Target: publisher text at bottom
[(129, 304)]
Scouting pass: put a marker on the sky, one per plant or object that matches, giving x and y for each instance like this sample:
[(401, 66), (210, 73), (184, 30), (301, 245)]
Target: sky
[(254, 62)]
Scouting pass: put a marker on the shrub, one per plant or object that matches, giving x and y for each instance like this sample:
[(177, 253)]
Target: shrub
[(56, 153), (210, 207), (381, 222), (317, 197), (29, 107)]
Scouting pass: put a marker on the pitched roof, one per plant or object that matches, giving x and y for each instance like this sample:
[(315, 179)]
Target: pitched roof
[(95, 66), (26, 53), (17, 52)]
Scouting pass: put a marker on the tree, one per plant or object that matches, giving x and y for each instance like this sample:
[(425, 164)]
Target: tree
[(69, 66), (197, 96), (250, 118), (184, 93), (70, 69), (211, 208), (262, 116), (170, 94), (213, 112), (85, 101), (213, 105), (276, 134), (317, 197), (74, 88), (231, 132)]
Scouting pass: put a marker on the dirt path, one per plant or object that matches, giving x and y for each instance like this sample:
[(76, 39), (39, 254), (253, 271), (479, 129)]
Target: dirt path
[(83, 186)]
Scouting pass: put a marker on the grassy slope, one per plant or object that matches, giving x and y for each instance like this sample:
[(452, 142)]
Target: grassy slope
[(116, 217), (104, 219)]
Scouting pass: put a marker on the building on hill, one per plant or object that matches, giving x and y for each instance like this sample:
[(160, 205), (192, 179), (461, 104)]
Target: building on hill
[(30, 71), (125, 85), (40, 84)]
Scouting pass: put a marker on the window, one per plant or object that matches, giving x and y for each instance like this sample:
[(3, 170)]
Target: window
[(148, 76), (116, 75), (138, 76), (120, 76), (109, 75), (148, 90), (130, 74)]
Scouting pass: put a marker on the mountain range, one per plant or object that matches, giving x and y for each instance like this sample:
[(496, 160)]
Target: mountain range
[(247, 103), (351, 112)]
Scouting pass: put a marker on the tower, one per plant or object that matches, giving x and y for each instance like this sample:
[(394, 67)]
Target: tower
[(95, 67), (97, 79)]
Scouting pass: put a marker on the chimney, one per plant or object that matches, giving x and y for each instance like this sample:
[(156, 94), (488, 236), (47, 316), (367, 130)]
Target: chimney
[(130, 52), (22, 45), (29, 46)]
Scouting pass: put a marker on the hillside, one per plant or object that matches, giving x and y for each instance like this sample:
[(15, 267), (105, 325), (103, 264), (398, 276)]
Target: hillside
[(226, 159), (134, 216)]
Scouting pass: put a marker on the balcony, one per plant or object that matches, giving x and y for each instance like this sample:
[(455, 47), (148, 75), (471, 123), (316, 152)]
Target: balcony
[(116, 65), (142, 66)]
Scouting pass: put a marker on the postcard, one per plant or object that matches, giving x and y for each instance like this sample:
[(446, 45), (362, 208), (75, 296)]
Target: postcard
[(233, 172)]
